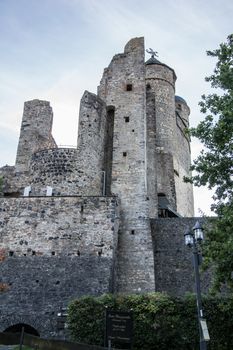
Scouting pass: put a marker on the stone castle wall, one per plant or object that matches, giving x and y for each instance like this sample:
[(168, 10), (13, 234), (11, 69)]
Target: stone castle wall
[(38, 287), (174, 271), (54, 250), (58, 226)]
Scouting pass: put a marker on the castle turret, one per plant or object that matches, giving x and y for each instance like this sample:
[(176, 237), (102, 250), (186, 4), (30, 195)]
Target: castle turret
[(168, 149), (161, 129), (35, 133)]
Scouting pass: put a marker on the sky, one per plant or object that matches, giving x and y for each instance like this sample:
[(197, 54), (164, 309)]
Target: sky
[(55, 49)]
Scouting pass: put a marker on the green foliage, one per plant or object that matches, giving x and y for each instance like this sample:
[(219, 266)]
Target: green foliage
[(214, 166), (218, 248), (160, 321)]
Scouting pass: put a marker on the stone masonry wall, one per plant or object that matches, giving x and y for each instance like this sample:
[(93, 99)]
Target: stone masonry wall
[(182, 162), (39, 286), (53, 250), (123, 89), (58, 168), (58, 225), (91, 143), (174, 272)]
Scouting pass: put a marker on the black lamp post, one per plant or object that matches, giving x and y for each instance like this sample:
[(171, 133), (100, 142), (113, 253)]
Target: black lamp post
[(192, 240)]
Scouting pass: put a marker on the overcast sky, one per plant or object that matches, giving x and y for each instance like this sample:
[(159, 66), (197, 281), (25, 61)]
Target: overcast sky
[(56, 49)]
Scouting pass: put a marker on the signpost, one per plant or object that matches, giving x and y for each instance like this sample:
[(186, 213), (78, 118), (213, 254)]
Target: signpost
[(119, 327), (205, 331)]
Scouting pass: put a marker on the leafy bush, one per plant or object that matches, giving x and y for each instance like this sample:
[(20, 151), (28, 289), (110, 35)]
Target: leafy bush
[(160, 321)]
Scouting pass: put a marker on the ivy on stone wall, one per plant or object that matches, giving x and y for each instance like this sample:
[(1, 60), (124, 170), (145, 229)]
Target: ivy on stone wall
[(160, 321)]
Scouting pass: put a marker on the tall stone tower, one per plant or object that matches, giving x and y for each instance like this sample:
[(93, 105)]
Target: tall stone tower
[(124, 92), (147, 154)]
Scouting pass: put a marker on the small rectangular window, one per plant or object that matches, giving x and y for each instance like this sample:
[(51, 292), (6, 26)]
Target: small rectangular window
[(129, 87), (126, 119), (124, 154)]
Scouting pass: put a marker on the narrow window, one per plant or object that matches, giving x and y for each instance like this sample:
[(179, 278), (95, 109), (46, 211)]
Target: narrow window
[(124, 154), (11, 253), (129, 87), (132, 232), (53, 253), (126, 119)]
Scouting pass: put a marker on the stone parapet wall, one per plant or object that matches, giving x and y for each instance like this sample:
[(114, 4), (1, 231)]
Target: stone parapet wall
[(57, 168)]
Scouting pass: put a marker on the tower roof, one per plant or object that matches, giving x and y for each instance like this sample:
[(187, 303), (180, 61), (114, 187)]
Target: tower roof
[(180, 99), (152, 60)]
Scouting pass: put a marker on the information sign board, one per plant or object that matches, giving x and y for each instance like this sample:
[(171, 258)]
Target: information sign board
[(119, 326)]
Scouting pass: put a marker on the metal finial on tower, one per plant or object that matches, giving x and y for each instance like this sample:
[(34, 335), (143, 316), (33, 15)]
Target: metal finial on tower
[(152, 52)]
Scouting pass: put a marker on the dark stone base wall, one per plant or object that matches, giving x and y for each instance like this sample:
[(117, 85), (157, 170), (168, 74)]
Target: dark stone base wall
[(174, 272), (38, 287)]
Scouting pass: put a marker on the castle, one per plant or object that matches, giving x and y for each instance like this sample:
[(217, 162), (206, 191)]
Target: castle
[(107, 216)]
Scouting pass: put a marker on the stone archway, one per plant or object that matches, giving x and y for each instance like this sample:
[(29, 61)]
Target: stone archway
[(17, 328)]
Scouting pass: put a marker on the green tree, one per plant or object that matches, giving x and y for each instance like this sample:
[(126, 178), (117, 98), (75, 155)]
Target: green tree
[(214, 166)]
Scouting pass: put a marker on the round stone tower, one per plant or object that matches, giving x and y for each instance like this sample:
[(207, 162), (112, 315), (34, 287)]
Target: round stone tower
[(168, 148)]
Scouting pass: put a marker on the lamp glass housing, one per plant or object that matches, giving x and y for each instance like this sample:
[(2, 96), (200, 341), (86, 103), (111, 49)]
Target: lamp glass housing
[(198, 232), (188, 239)]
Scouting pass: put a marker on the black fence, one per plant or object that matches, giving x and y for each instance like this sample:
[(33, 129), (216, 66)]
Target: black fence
[(44, 344)]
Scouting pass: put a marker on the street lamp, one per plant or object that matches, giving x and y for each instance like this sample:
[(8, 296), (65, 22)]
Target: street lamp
[(192, 240)]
